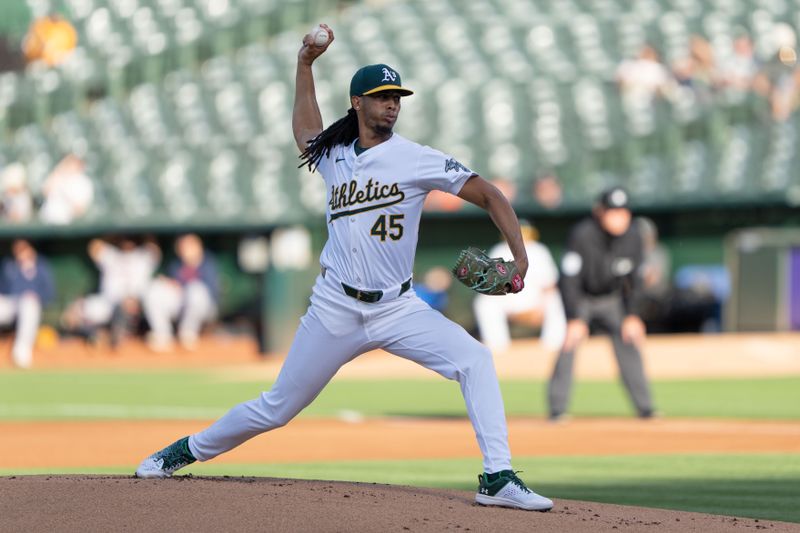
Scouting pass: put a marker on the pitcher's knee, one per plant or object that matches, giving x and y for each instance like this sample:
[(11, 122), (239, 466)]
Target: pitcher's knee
[(275, 414), (279, 419), (476, 359)]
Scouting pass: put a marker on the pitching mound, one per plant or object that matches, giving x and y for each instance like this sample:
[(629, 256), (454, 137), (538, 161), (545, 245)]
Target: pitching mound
[(109, 503)]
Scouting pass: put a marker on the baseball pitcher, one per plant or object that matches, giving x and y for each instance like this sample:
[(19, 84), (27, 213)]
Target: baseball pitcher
[(363, 298)]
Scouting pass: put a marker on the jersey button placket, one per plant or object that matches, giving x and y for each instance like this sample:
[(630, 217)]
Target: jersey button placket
[(354, 239)]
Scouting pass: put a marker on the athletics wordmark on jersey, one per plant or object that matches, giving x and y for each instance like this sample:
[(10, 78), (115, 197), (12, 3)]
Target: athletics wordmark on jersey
[(372, 196)]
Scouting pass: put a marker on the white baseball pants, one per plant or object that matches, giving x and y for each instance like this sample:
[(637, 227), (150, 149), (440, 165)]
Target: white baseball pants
[(336, 329), (166, 300), (27, 310), (491, 315), (96, 310)]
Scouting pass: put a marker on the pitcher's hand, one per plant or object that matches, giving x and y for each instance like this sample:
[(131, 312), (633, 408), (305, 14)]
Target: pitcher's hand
[(310, 51)]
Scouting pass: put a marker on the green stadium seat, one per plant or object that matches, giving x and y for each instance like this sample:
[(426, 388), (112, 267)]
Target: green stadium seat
[(70, 133), (777, 172), (309, 188), (33, 147), (154, 126), (49, 94), (267, 185), (9, 99), (223, 192), (196, 96), (176, 182)]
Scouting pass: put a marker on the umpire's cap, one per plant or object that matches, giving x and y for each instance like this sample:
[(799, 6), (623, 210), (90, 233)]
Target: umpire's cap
[(614, 198), (377, 78)]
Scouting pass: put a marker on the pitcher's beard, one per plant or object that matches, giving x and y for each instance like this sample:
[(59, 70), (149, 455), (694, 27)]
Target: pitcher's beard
[(383, 131)]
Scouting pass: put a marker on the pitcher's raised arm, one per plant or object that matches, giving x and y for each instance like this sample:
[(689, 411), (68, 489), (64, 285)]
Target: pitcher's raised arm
[(306, 118)]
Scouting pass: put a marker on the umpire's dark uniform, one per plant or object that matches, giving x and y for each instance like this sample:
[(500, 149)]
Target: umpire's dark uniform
[(600, 284)]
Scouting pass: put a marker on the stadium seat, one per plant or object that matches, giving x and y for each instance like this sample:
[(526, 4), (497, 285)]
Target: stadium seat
[(184, 106)]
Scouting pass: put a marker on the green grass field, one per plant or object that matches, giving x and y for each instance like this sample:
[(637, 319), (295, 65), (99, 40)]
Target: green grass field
[(200, 395), (754, 485)]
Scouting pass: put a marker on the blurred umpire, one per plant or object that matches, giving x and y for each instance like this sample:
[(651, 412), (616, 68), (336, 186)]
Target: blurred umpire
[(601, 287)]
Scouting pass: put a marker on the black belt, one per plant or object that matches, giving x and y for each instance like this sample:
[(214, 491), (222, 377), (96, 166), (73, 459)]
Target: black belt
[(371, 296)]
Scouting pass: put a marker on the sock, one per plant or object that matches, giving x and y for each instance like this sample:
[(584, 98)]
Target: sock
[(184, 447)]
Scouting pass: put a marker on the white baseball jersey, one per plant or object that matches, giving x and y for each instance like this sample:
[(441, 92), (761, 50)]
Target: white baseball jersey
[(539, 293), (126, 273), (374, 207)]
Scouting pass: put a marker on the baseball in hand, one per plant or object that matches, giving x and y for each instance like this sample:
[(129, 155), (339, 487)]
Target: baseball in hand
[(319, 36)]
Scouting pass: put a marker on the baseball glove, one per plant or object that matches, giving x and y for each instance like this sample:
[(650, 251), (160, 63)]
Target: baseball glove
[(485, 274)]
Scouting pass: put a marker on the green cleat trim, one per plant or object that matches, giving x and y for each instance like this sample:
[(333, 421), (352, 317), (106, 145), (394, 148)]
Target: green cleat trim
[(176, 455), (491, 484)]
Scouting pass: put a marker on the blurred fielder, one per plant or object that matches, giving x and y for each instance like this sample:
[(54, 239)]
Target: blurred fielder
[(539, 304)]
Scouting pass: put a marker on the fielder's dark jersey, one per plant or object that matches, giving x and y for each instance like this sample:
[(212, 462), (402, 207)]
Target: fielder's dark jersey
[(596, 263)]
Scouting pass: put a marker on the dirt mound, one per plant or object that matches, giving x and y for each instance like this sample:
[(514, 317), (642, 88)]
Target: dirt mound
[(107, 503)]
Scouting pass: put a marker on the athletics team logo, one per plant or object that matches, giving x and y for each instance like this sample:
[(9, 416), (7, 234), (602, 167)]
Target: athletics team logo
[(389, 75)]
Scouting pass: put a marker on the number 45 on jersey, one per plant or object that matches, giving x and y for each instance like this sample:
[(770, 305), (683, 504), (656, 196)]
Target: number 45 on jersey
[(388, 225)]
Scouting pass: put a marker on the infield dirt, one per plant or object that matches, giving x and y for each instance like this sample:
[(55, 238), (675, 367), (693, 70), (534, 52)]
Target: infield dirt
[(93, 503), (30, 445)]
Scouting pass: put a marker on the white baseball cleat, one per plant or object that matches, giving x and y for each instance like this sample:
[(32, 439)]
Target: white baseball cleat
[(507, 490), (165, 462)]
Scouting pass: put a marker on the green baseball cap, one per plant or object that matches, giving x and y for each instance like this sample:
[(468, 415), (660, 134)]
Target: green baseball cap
[(376, 78)]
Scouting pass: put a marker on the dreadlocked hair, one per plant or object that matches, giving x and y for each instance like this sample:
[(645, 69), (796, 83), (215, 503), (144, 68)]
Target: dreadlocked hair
[(343, 131)]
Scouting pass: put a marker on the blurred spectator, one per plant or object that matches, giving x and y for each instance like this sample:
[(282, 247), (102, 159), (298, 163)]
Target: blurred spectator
[(67, 192), (507, 187), (11, 58), (50, 39), (738, 71), (25, 287), (538, 304), (602, 286), (644, 77), (700, 294), (442, 201), (433, 289), (126, 272), (188, 293), (547, 191), (655, 273), (697, 72), (778, 78), (16, 204)]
